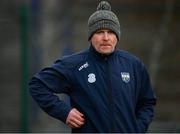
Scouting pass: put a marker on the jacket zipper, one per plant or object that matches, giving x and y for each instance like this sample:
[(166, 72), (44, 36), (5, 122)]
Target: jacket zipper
[(110, 97)]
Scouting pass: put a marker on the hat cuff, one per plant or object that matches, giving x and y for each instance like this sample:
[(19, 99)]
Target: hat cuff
[(104, 24)]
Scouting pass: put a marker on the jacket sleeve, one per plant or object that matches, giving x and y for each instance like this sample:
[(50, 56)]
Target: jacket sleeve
[(45, 85), (146, 102)]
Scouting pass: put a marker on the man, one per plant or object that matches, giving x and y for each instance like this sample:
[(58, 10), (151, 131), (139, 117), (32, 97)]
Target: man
[(109, 89)]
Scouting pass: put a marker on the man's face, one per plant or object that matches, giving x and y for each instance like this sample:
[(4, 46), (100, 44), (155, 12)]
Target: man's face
[(104, 41)]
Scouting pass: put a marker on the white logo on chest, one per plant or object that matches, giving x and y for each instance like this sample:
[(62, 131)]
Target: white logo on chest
[(125, 76), (83, 66), (91, 78)]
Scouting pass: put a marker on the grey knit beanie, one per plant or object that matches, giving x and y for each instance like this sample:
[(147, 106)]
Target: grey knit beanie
[(103, 18)]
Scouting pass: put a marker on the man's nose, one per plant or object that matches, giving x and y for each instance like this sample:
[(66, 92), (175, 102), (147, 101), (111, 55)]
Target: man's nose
[(106, 36)]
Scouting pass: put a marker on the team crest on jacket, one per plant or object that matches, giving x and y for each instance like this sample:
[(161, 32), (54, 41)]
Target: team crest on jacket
[(125, 76), (91, 78)]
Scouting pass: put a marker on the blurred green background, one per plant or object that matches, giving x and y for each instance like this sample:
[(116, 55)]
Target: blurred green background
[(34, 33)]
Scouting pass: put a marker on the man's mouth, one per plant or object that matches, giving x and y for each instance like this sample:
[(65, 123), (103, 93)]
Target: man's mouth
[(105, 45)]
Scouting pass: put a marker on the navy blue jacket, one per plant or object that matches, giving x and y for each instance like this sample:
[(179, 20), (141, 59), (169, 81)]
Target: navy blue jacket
[(113, 92)]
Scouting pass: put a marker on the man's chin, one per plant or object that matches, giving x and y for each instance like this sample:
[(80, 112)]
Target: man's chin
[(106, 53)]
